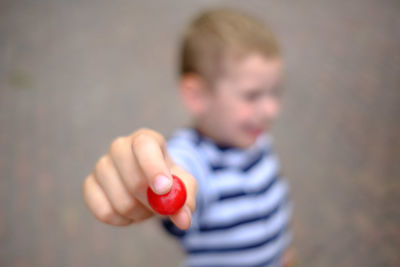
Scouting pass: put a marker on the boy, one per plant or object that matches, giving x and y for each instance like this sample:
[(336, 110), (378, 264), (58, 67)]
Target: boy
[(230, 75)]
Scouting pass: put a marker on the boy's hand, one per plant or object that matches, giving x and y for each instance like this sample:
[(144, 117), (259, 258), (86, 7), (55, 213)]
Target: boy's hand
[(115, 191)]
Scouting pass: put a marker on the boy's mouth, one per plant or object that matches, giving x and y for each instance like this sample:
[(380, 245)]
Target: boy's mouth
[(254, 132)]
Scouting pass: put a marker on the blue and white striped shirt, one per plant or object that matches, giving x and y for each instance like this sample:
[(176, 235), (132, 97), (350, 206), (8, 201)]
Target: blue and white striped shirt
[(243, 213)]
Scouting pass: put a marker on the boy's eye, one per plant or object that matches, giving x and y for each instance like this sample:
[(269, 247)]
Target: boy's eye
[(252, 96)]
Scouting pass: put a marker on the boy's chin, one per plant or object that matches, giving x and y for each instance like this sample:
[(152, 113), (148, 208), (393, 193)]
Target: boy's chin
[(248, 139), (245, 142)]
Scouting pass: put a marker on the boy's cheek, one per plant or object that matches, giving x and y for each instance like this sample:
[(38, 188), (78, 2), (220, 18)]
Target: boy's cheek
[(275, 109), (243, 112)]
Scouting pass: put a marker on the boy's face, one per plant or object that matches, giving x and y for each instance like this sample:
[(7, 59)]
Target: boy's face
[(244, 102)]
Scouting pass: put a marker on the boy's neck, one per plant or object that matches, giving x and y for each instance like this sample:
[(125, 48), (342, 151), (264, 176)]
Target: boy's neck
[(202, 131)]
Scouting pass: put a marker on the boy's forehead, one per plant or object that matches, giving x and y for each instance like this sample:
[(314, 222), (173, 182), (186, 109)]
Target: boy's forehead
[(252, 69)]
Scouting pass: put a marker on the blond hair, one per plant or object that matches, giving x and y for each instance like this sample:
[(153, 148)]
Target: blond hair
[(218, 33)]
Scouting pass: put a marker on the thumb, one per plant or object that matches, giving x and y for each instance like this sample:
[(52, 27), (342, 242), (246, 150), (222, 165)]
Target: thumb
[(182, 219)]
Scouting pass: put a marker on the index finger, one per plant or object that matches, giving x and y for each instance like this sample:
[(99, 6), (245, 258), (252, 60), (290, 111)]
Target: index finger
[(150, 156)]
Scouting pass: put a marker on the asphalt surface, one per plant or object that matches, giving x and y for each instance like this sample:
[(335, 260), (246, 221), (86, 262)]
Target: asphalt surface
[(76, 74)]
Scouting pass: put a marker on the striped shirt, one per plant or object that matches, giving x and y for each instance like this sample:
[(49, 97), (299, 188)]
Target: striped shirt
[(242, 210)]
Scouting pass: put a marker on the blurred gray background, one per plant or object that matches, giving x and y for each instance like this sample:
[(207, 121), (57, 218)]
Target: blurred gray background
[(76, 74)]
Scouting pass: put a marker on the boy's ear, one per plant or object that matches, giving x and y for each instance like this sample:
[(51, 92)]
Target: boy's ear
[(194, 93)]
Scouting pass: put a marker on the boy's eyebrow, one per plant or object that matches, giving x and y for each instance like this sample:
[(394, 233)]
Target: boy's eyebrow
[(253, 89), (279, 88)]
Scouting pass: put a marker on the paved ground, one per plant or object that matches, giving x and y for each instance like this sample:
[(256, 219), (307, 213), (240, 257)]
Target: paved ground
[(75, 74)]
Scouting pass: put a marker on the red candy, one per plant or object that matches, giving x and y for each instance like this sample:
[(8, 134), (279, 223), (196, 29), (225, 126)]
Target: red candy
[(170, 202)]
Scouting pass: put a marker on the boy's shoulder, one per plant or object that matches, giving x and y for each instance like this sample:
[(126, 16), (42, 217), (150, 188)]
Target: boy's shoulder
[(183, 148), (184, 141), (189, 144), (184, 137)]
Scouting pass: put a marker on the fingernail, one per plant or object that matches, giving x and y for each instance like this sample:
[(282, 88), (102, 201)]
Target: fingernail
[(162, 184)]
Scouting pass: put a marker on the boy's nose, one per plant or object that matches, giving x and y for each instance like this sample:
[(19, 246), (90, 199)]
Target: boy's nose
[(269, 108)]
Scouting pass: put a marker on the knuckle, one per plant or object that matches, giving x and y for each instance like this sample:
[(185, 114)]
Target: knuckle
[(125, 207), (161, 141), (141, 138), (102, 165), (158, 136), (105, 214), (143, 130), (117, 145), (145, 135)]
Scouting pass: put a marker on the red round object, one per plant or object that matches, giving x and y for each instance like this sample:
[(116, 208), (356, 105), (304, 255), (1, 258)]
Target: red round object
[(170, 202)]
